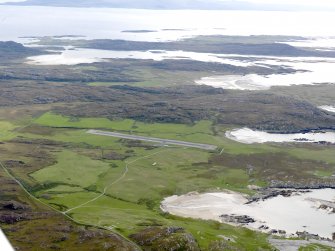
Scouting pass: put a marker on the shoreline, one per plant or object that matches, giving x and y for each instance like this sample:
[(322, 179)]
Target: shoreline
[(246, 135), (260, 213)]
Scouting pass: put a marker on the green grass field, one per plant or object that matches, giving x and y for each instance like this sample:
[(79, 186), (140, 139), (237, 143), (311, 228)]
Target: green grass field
[(73, 169), (6, 130), (201, 132), (136, 183), (59, 172), (315, 247), (134, 201), (153, 174)]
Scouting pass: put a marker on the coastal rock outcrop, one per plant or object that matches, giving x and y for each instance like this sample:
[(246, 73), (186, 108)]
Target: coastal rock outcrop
[(166, 238), (238, 219)]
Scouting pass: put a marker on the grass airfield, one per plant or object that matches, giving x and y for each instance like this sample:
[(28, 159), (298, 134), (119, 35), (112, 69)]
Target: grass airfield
[(75, 185), (118, 184)]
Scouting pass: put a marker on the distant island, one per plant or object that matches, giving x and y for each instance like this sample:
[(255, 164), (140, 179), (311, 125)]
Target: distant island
[(138, 31)]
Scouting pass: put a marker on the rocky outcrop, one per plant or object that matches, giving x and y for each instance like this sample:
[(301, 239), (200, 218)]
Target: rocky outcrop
[(13, 211), (14, 205), (169, 239), (270, 193), (237, 219), (308, 184), (327, 205), (221, 245), (12, 218), (277, 232)]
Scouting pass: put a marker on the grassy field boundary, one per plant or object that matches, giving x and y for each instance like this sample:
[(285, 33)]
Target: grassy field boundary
[(60, 212), (126, 169)]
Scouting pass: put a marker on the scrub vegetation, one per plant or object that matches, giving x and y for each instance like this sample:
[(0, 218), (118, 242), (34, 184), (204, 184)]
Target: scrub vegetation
[(65, 188)]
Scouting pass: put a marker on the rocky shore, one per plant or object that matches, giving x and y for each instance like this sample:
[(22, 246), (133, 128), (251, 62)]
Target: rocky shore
[(265, 194), (237, 219), (244, 220), (308, 184)]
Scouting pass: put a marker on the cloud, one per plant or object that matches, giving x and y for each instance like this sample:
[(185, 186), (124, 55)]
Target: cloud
[(307, 3), (11, 1)]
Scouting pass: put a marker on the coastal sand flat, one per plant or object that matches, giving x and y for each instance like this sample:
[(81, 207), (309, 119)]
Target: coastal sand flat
[(299, 212)]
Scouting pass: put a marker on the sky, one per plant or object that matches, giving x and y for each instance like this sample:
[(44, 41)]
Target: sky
[(310, 4), (11, 1), (319, 3), (288, 2)]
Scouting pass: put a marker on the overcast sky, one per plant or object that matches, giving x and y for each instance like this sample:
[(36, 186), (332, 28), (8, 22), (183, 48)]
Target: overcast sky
[(309, 4), (289, 2), (11, 1), (320, 3)]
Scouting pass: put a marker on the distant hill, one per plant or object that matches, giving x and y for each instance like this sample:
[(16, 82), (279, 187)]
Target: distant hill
[(12, 50), (161, 4)]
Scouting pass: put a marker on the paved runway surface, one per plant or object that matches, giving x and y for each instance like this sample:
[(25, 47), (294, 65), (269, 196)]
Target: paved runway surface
[(155, 140)]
